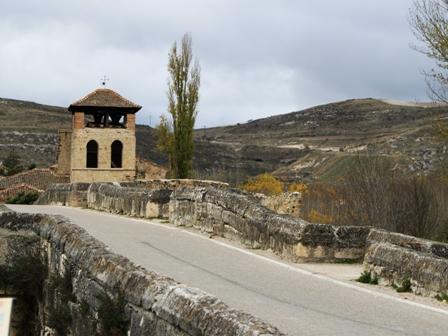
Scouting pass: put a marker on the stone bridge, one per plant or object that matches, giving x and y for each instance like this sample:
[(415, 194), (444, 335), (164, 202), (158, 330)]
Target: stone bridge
[(224, 242)]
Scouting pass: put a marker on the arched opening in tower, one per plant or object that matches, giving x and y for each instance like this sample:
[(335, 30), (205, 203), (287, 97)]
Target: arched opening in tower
[(92, 154), (116, 154)]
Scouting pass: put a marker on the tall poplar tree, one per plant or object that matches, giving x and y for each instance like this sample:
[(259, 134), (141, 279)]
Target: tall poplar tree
[(176, 136)]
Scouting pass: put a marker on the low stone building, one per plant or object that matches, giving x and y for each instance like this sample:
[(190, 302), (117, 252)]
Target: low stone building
[(100, 147)]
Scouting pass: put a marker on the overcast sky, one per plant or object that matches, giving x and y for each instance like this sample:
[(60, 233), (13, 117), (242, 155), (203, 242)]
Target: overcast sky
[(258, 57)]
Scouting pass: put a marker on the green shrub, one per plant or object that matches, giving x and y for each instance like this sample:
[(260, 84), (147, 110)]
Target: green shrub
[(23, 198), (406, 286), (366, 277), (443, 297)]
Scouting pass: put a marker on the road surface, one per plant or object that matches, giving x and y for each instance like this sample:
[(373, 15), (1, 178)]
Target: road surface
[(295, 300)]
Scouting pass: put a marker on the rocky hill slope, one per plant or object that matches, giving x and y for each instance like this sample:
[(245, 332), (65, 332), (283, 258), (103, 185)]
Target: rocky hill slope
[(326, 138), (319, 142)]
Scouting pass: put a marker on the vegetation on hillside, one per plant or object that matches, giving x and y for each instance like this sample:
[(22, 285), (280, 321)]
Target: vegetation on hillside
[(264, 184), (11, 164), (374, 193)]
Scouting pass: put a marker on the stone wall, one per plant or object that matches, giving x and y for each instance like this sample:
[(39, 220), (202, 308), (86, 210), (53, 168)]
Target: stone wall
[(72, 194), (214, 208), (154, 304), (130, 201), (142, 198), (39, 178), (15, 190), (236, 215), (288, 203), (63, 154), (394, 257), (17, 244)]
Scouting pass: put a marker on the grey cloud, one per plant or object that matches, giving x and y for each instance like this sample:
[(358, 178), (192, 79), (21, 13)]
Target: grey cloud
[(258, 58)]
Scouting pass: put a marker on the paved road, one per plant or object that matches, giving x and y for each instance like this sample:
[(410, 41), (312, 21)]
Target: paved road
[(296, 301)]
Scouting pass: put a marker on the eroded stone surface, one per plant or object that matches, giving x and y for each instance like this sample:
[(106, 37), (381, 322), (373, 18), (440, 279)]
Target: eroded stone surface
[(155, 304), (394, 257), (234, 214)]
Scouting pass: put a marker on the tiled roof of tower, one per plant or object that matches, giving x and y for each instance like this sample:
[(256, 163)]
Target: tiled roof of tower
[(103, 97)]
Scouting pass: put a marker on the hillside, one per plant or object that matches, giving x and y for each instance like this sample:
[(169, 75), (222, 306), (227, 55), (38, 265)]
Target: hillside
[(319, 142), (328, 136)]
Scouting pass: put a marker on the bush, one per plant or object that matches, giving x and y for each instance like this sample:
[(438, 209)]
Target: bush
[(23, 198), (317, 217), (367, 278), (264, 184), (443, 297), (11, 164), (406, 286), (298, 187)]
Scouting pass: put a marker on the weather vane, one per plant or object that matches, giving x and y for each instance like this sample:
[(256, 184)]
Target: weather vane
[(104, 80)]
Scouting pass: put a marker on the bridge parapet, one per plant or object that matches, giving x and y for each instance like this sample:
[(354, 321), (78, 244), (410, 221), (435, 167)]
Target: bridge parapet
[(218, 210), (393, 258), (237, 215), (154, 304)]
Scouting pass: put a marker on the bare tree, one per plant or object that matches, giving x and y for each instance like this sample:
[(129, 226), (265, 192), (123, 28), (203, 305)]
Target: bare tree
[(429, 22)]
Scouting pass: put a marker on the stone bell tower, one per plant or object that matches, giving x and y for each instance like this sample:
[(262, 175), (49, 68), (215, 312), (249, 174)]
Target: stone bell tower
[(100, 147)]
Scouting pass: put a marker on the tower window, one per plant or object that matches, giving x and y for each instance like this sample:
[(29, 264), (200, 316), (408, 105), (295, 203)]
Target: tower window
[(116, 154), (92, 154)]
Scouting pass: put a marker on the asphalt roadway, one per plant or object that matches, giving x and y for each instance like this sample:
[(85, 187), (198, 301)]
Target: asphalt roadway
[(297, 301)]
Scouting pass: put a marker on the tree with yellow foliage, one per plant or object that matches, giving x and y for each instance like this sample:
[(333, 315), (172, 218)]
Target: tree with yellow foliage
[(265, 184)]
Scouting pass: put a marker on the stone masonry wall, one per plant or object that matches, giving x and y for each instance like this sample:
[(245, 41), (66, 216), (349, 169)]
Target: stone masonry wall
[(236, 215), (289, 203), (218, 210), (144, 198), (104, 137), (130, 201), (72, 194), (214, 208), (394, 257), (154, 304)]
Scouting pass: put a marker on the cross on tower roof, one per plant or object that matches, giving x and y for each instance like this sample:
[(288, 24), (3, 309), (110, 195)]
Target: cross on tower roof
[(104, 80)]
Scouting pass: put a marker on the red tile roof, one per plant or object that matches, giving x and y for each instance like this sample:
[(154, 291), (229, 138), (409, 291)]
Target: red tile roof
[(103, 97)]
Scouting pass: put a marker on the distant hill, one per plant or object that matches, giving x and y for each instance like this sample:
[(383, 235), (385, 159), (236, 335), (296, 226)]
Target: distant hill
[(326, 138), (316, 143)]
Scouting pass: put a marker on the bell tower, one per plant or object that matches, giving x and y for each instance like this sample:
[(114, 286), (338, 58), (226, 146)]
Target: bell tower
[(102, 139)]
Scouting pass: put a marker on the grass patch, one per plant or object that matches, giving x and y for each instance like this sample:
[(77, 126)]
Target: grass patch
[(346, 261), (367, 278)]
